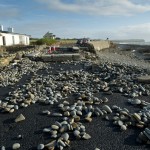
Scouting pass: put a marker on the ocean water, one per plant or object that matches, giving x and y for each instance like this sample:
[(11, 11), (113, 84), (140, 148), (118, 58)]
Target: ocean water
[(135, 43)]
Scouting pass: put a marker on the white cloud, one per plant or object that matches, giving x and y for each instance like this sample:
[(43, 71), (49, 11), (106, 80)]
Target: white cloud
[(100, 7), (139, 31), (8, 11)]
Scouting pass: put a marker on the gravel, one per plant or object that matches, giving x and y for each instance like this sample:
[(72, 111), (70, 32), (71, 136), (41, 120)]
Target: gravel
[(122, 57)]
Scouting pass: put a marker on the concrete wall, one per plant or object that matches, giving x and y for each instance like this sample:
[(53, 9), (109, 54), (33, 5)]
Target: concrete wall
[(1, 41), (14, 39), (8, 39), (24, 40), (99, 45)]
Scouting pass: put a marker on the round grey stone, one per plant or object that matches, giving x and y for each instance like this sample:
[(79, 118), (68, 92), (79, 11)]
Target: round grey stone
[(16, 146), (40, 147)]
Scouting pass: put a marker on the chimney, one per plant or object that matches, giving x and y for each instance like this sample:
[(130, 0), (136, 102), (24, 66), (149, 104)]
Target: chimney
[(1, 27), (10, 30)]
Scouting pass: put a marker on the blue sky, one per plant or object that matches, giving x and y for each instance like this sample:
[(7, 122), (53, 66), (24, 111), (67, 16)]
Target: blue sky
[(116, 19)]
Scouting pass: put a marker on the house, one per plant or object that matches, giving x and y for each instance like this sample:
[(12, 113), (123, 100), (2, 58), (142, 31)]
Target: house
[(9, 38), (49, 35)]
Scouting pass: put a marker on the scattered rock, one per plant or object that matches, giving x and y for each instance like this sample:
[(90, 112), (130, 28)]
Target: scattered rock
[(86, 136), (40, 147), (65, 136), (97, 149), (123, 127), (16, 146), (19, 136), (107, 108), (3, 148), (20, 118)]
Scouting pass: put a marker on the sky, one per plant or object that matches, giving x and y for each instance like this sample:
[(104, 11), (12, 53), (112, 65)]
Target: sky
[(96, 19)]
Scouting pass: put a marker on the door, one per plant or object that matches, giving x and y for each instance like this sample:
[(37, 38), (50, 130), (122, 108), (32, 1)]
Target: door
[(4, 40)]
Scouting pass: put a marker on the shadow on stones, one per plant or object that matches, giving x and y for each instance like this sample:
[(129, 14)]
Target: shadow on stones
[(131, 139), (114, 127)]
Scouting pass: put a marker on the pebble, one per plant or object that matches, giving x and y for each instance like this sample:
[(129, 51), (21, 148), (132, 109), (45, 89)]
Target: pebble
[(16, 146), (107, 108), (46, 130), (57, 114), (88, 119), (105, 99), (46, 112), (86, 136), (11, 110), (89, 114), (61, 143), (123, 128), (3, 148), (137, 116), (120, 123), (40, 147), (20, 118), (76, 133), (136, 102), (51, 145), (67, 113), (106, 117), (65, 136), (55, 127), (19, 136)]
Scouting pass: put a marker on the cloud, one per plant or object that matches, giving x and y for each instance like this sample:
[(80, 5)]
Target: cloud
[(139, 31), (8, 11), (99, 7)]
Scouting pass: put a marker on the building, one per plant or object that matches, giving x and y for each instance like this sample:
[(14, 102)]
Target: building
[(49, 35), (9, 38)]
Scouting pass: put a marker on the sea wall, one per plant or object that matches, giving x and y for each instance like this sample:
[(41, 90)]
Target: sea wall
[(100, 45)]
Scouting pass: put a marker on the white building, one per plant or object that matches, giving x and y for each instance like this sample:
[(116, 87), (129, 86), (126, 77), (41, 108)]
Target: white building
[(9, 38)]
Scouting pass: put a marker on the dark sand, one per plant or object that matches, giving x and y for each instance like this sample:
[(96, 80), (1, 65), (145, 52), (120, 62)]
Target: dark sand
[(104, 134)]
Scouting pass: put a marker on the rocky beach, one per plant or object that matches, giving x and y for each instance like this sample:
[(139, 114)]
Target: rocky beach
[(100, 102)]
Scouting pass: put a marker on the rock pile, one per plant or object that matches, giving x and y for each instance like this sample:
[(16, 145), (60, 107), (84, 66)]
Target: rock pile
[(12, 74)]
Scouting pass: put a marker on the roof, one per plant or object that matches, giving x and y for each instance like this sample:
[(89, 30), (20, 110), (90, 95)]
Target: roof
[(49, 34), (13, 33)]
